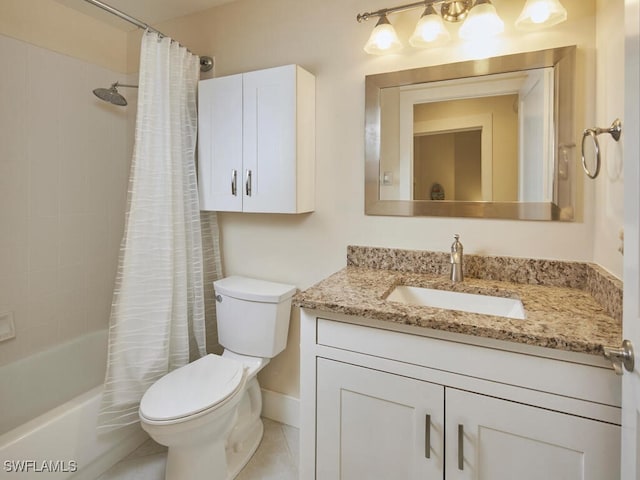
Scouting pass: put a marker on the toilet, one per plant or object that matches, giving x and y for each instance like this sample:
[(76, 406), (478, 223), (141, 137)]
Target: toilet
[(208, 412)]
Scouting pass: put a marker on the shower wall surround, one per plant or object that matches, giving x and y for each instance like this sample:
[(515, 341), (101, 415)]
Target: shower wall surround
[(64, 159)]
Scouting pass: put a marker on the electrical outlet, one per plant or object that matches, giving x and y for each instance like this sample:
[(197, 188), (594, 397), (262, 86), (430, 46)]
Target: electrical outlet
[(7, 326)]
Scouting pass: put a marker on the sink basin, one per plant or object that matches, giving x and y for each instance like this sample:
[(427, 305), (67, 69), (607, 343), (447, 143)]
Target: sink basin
[(466, 302)]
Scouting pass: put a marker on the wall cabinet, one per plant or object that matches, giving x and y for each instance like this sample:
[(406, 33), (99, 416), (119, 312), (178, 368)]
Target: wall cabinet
[(378, 404), (256, 141)]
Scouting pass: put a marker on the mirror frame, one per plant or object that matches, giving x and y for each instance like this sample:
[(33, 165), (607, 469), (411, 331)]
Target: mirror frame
[(563, 58)]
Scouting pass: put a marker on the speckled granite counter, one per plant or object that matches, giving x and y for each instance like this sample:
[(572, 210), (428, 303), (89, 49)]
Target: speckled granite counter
[(569, 305)]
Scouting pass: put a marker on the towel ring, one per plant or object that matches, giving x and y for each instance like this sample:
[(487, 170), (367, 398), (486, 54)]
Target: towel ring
[(615, 130)]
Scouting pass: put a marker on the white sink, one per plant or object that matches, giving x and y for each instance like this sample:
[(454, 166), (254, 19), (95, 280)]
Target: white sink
[(466, 302)]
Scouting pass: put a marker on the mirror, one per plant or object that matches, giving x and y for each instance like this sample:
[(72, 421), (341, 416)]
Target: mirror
[(486, 138)]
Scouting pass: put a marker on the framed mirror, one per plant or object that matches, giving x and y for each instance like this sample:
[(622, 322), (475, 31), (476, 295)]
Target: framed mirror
[(489, 138)]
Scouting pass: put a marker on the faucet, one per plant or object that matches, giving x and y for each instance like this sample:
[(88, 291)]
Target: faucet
[(456, 260)]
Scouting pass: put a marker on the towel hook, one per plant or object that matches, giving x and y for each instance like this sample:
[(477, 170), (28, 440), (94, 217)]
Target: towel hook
[(615, 130)]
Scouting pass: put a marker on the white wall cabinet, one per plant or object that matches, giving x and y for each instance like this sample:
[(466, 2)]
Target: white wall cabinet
[(377, 404), (256, 144)]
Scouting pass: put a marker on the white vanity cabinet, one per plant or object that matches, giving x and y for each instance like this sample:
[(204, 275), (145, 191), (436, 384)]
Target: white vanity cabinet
[(381, 404), (372, 424), (494, 439), (256, 141)]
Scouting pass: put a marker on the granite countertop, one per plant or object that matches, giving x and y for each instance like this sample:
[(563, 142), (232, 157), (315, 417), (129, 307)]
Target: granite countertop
[(568, 305)]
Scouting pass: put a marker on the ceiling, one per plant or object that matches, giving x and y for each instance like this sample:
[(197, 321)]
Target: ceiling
[(150, 12)]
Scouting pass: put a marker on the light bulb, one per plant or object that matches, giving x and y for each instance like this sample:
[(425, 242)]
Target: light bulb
[(430, 30), (383, 39), (482, 22), (538, 14)]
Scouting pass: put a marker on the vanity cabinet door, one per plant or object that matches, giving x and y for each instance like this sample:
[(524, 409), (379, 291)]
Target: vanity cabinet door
[(376, 425), (492, 439)]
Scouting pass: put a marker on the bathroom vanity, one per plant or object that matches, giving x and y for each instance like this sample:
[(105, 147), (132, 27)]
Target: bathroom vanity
[(395, 389)]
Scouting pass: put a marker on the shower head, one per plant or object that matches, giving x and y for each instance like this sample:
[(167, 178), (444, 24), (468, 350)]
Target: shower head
[(112, 95)]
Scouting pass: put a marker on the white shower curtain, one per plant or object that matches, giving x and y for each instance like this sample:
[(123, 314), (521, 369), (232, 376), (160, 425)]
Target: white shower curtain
[(157, 315)]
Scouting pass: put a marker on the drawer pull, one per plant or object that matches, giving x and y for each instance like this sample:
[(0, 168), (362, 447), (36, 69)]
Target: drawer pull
[(427, 436), (460, 447), (234, 183), (247, 184)]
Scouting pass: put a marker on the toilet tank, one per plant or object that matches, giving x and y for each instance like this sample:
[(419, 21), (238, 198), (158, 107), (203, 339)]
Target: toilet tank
[(253, 315)]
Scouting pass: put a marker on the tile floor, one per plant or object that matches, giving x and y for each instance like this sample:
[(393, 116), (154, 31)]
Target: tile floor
[(275, 459)]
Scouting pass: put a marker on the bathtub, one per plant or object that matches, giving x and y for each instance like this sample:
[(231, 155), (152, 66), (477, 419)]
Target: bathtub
[(49, 404)]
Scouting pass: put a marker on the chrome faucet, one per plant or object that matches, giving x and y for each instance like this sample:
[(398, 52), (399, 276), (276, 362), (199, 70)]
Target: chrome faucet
[(456, 260)]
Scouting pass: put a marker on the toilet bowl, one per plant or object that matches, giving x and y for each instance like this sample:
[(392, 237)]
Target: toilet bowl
[(208, 412)]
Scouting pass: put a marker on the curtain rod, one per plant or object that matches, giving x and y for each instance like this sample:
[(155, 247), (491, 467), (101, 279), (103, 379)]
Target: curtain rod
[(123, 16), (206, 63)]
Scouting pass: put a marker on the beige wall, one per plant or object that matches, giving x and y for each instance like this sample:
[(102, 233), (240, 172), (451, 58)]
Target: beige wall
[(453, 161), (608, 210), (434, 160), (324, 37), (48, 24), (505, 135), (468, 166)]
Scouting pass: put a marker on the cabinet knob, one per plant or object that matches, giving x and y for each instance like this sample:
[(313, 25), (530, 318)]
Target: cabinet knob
[(621, 357)]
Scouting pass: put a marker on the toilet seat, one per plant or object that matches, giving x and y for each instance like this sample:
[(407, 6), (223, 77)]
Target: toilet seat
[(192, 390)]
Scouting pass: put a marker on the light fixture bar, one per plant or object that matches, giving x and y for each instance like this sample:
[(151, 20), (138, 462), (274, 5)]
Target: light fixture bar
[(480, 20), (363, 17)]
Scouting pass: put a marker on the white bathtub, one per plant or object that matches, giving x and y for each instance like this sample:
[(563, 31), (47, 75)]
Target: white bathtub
[(54, 397)]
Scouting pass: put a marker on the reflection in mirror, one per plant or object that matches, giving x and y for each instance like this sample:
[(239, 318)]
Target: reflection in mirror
[(476, 145), (447, 166)]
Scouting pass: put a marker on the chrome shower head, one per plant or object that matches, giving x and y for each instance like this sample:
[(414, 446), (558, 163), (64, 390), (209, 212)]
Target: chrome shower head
[(112, 95)]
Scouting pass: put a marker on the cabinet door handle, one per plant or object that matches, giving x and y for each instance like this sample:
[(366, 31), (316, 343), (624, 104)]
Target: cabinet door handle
[(427, 436), (234, 182), (247, 184), (460, 447)]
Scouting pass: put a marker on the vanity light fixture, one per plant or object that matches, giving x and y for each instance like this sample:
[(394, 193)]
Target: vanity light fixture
[(383, 39), (430, 29), (480, 20), (541, 13)]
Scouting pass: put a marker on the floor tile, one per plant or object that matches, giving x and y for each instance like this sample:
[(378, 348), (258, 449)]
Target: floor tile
[(275, 459)]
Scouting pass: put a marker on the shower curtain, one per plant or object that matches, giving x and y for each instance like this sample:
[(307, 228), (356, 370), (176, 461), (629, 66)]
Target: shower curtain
[(158, 313)]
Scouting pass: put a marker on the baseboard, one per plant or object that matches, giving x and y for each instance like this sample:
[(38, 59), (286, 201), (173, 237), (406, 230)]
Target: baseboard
[(281, 408)]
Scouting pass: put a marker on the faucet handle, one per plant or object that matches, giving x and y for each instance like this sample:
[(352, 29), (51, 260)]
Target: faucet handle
[(456, 246), (456, 260)]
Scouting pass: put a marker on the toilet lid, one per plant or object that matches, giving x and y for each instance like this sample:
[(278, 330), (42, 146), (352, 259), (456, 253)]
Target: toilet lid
[(193, 388)]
